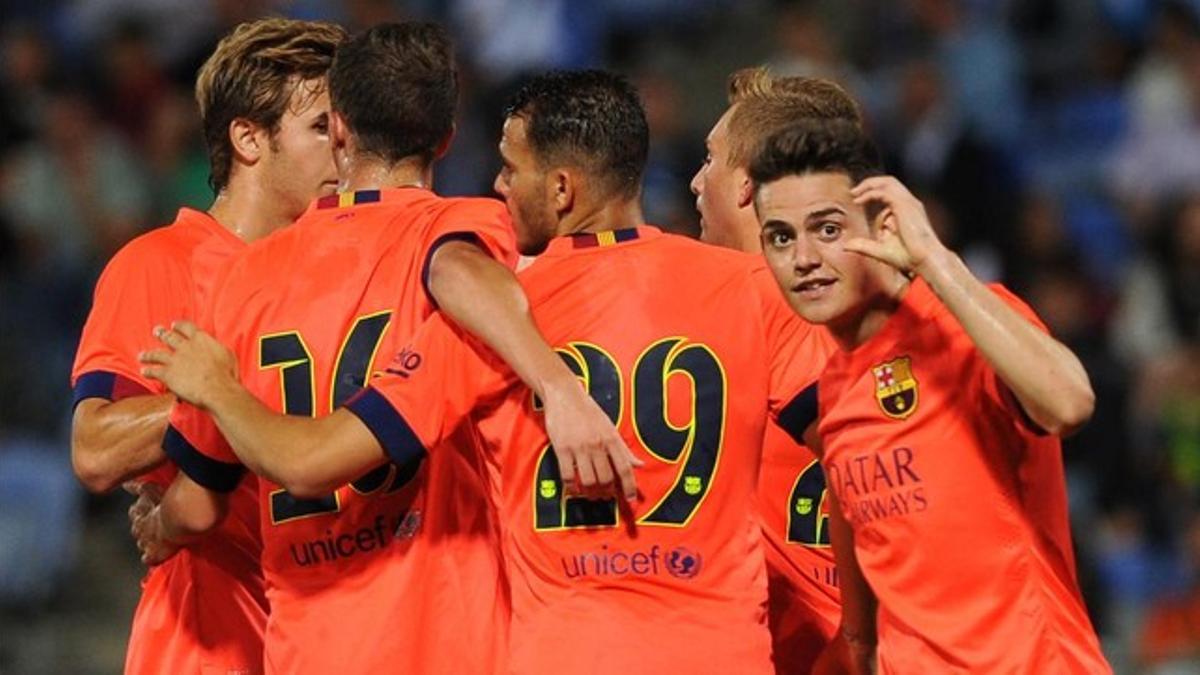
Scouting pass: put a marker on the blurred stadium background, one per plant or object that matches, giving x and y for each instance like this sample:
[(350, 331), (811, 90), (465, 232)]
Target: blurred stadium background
[(1056, 143)]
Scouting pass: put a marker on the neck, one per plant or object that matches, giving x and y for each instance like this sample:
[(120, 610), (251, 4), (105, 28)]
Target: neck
[(602, 217), (748, 231), (873, 315), (245, 208), (364, 172)]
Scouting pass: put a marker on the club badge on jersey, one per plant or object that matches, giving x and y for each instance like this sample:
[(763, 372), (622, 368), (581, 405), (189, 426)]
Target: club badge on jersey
[(896, 388)]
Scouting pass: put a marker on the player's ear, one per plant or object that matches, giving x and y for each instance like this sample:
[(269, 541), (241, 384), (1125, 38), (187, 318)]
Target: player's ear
[(444, 146), (339, 131), (562, 190), (745, 187), (248, 139), (341, 140)]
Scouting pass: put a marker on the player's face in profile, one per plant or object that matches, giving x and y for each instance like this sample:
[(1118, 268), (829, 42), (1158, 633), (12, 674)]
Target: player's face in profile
[(522, 184), (299, 162), (805, 221), (717, 187)]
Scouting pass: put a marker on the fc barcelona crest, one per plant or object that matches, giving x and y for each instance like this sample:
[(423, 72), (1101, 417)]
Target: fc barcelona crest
[(896, 388)]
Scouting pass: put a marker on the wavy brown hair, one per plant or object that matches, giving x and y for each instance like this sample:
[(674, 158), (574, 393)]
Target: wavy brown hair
[(253, 74)]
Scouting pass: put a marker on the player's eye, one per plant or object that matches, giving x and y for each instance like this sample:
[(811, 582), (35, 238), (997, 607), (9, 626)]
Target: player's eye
[(779, 238), (322, 126), (707, 159), (828, 230)]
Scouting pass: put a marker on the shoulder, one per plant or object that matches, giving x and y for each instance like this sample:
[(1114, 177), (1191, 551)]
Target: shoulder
[(160, 250)]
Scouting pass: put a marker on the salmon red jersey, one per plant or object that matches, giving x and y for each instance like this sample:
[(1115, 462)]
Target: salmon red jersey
[(358, 581), (804, 604), (668, 336), (205, 607), (957, 502)]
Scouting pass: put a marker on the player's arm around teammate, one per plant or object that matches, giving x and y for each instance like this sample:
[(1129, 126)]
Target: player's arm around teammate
[(337, 447), (484, 297), (1046, 378)]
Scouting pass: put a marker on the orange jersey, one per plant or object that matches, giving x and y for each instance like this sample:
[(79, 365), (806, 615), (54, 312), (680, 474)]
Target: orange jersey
[(204, 609), (958, 503), (805, 608), (669, 336), (358, 581)]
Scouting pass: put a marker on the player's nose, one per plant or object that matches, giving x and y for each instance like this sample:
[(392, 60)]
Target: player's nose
[(697, 181), (805, 257)]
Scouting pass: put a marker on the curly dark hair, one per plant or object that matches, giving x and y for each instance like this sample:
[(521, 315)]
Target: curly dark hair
[(591, 119)]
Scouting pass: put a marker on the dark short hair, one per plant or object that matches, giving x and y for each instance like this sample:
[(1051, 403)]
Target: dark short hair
[(396, 85), (591, 119), (816, 146)]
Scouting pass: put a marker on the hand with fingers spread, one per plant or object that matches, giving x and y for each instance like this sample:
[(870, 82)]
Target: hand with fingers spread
[(194, 367), (906, 239), (587, 445)]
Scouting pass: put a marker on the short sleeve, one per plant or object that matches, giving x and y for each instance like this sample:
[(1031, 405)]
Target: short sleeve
[(429, 388), (483, 222), (993, 387), (137, 291), (197, 447)]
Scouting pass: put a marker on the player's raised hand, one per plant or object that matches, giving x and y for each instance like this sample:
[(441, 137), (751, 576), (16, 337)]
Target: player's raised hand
[(906, 239), (587, 445), (194, 367)]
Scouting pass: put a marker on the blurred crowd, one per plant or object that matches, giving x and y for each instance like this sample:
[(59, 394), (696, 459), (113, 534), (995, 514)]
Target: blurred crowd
[(1056, 143)]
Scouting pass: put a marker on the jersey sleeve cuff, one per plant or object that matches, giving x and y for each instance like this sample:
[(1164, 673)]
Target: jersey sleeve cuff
[(469, 237), (799, 413), (106, 385), (389, 427), (206, 471)]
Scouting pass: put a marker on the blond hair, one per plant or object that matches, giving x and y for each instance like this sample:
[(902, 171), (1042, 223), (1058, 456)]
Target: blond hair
[(763, 104), (252, 75)]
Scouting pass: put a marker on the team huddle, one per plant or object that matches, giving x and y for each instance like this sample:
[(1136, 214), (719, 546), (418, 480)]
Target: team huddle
[(362, 442)]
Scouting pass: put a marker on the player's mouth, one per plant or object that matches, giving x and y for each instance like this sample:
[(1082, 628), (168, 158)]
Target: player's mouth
[(813, 289)]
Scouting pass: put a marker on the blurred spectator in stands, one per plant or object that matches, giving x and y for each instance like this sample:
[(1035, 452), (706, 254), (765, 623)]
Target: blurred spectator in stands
[(807, 46), (76, 194), (1160, 302), (1161, 154), (507, 38), (132, 81), (26, 70), (674, 157), (928, 143), (1169, 640), (1135, 567), (980, 64), (175, 158)]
